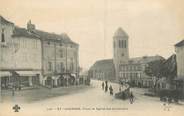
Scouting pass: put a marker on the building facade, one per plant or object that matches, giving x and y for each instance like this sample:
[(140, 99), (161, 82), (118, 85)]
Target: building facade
[(30, 57), (134, 71), (102, 70), (130, 69), (120, 50), (179, 49), (60, 59), (20, 56)]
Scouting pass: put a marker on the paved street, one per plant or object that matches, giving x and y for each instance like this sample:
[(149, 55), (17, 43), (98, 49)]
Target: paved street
[(83, 101)]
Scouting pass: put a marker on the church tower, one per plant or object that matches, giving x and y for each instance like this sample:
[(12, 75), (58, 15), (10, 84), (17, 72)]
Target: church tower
[(120, 49)]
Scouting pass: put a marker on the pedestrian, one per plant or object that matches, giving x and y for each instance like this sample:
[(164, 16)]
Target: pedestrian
[(106, 82), (102, 85), (106, 86), (131, 97), (119, 88), (111, 90)]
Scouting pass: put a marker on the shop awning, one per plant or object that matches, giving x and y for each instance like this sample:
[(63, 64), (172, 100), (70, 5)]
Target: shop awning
[(4, 73), (27, 73), (179, 78), (74, 75), (56, 77)]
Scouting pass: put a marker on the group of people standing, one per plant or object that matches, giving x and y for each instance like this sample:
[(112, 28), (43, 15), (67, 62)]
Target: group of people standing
[(105, 87), (123, 93)]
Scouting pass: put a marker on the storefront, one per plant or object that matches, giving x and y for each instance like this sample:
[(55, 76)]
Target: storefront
[(60, 80), (29, 78), (19, 79), (5, 79)]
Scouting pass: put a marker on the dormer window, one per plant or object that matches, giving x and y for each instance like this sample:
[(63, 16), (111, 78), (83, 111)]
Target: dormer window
[(2, 36)]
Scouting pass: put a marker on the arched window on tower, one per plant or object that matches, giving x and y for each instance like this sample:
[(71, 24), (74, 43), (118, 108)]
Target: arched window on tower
[(2, 36), (125, 45), (119, 43)]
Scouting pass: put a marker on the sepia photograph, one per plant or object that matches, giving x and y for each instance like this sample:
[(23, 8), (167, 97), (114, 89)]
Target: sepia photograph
[(91, 57)]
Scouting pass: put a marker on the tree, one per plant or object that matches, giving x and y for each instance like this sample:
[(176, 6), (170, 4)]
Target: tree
[(162, 68), (154, 69), (169, 68)]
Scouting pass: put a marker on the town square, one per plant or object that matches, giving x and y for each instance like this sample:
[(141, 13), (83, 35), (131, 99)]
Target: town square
[(91, 57)]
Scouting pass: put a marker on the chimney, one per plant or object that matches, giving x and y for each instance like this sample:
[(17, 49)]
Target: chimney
[(30, 27)]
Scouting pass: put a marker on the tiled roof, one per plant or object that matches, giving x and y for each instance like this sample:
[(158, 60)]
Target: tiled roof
[(52, 36), (22, 32), (106, 64), (145, 59), (3, 20), (179, 44)]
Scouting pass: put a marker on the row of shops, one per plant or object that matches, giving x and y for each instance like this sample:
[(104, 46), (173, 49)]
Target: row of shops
[(30, 79), (30, 57), (63, 80), (19, 79)]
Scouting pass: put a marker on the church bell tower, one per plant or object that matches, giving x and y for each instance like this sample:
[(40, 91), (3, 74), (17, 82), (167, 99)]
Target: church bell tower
[(120, 49)]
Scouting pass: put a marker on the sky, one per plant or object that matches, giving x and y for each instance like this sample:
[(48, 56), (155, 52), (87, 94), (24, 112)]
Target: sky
[(153, 26)]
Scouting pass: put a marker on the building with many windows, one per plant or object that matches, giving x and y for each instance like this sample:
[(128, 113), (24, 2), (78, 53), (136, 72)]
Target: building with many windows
[(130, 69), (121, 67), (60, 60), (31, 57), (20, 56), (134, 71)]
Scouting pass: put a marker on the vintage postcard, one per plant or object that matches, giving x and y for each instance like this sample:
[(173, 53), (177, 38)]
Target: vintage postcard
[(91, 57)]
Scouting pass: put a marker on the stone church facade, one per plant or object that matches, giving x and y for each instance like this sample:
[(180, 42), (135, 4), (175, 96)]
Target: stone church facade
[(127, 69)]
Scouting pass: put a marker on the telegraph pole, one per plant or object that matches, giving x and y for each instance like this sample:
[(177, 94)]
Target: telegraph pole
[(66, 58), (105, 24)]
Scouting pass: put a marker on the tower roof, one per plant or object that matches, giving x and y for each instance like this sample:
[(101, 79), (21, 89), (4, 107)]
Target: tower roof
[(120, 33)]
